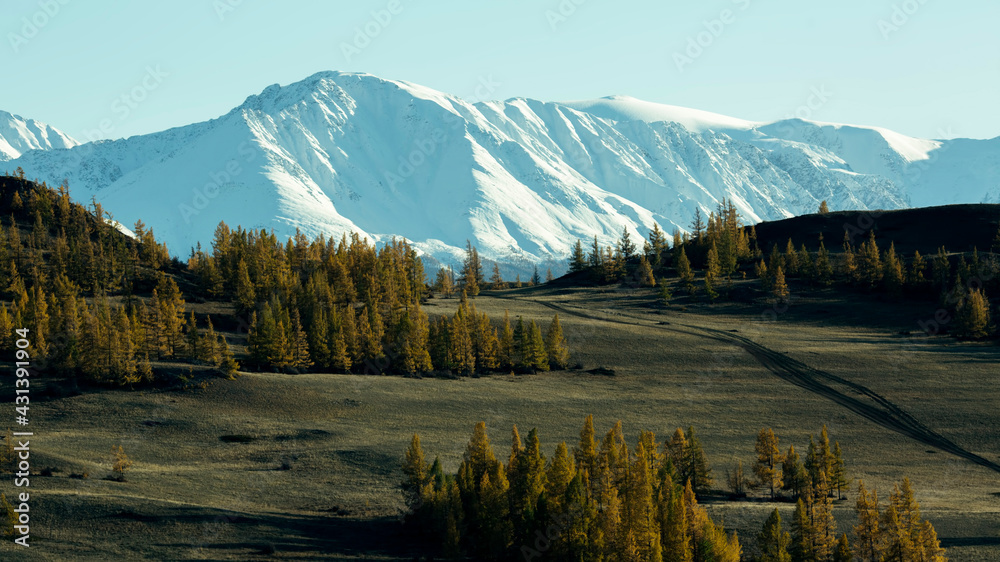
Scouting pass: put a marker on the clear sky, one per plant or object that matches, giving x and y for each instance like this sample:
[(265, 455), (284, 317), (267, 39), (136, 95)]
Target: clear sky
[(926, 68)]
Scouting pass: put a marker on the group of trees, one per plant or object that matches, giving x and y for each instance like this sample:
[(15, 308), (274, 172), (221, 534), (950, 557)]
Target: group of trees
[(74, 280), (352, 307), (722, 248), (602, 500)]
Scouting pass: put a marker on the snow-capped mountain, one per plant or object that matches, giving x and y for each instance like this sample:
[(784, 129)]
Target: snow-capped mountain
[(19, 135), (522, 179)]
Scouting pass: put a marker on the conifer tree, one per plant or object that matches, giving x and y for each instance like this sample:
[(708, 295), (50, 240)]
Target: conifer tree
[(555, 345), (577, 259), (824, 269), (893, 271), (972, 316), (838, 477), (769, 459), (794, 477), (791, 259), (536, 279), (779, 288), (760, 270), (507, 351), (802, 548), (472, 270), (711, 272), (415, 469), (625, 245), (496, 281), (773, 542), (585, 453), (694, 465), (684, 270), (843, 551), (245, 294), (644, 273), (535, 354), (868, 535), (870, 266), (548, 275), (444, 282), (823, 208)]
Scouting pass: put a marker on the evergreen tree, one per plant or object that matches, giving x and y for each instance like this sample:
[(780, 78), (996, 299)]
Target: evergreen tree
[(444, 282), (644, 273), (536, 279), (773, 542), (496, 282), (625, 245), (415, 469), (769, 459), (472, 270), (779, 288), (893, 271), (802, 548), (577, 260), (869, 261), (535, 355), (915, 276), (711, 272), (824, 269), (555, 345), (972, 316), (245, 294), (684, 270), (794, 477), (868, 535)]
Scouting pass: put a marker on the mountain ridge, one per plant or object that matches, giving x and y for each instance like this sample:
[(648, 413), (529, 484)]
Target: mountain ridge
[(522, 179)]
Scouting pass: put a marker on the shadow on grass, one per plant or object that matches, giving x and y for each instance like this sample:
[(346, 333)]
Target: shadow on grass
[(234, 534)]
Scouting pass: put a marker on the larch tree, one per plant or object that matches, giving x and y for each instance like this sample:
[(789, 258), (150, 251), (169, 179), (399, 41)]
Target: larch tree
[(625, 245), (867, 532), (496, 281), (577, 259), (644, 273), (773, 542), (779, 288), (823, 208), (555, 345), (769, 459), (972, 316), (684, 270)]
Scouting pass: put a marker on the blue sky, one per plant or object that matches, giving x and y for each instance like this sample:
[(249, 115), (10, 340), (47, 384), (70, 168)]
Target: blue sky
[(927, 68)]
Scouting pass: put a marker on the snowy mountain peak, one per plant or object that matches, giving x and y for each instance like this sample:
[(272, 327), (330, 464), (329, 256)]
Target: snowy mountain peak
[(627, 108), (522, 179), (19, 135)]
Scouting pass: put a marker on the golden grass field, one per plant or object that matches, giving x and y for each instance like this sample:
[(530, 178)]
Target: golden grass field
[(896, 409)]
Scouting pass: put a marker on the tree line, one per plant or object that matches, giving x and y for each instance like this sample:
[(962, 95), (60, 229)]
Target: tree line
[(106, 307), (605, 500), (722, 249)]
